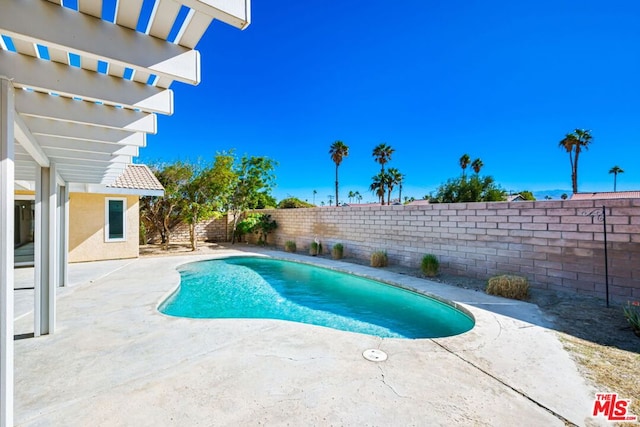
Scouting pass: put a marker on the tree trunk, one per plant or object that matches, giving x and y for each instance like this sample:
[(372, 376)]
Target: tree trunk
[(575, 170), (337, 185), (192, 236)]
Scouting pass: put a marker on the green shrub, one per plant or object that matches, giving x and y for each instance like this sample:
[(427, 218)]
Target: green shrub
[(508, 286), (632, 314), (290, 246), (430, 265), (337, 251), (315, 248), (379, 259)]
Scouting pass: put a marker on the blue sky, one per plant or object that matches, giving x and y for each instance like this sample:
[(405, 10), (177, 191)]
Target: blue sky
[(500, 80)]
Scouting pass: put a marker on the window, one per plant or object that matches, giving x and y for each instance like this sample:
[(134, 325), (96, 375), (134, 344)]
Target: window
[(115, 220)]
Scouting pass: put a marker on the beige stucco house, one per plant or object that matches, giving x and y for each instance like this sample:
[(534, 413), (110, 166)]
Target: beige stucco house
[(103, 221)]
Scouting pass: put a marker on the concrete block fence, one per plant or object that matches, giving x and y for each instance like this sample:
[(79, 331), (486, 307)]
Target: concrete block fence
[(211, 230), (555, 244)]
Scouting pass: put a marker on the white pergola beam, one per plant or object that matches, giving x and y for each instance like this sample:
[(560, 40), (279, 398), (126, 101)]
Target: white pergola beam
[(37, 21), (232, 12), (57, 145), (26, 139), (55, 128), (41, 105), (48, 76), (98, 160)]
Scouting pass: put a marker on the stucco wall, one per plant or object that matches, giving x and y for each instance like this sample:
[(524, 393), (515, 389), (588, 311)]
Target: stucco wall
[(552, 243), (87, 228)]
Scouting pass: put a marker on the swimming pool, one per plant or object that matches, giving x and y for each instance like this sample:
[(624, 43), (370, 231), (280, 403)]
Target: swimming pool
[(255, 287)]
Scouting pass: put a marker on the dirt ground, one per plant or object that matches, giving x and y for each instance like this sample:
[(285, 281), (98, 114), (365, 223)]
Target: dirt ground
[(598, 337)]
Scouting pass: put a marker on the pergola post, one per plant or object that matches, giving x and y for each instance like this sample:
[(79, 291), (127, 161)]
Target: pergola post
[(7, 178), (63, 233), (45, 251)]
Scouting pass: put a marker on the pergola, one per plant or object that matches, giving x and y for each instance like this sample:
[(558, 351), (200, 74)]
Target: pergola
[(81, 83)]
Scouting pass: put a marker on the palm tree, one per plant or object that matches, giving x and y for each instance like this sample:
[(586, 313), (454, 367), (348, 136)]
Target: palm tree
[(338, 151), (351, 195), (573, 143), (377, 186), (615, 171), (358, 196), (465, 160), (477, 165), (382, 154), (314, 196), (393, 177)]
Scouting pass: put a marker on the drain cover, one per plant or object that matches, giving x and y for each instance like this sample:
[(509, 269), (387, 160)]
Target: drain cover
[(374, 355)]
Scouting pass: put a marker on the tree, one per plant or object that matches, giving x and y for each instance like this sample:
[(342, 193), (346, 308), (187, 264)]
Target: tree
[(465, 160), (338, 151), (474, 189), (377, 186), (574, 143), (477, 165), (393, 177), (351, 195), (615, 171), (314, 196), (358, 196), (253, 183), (162, 213), (293, 203), (563, 196), (526, 195), (205, 193), (382, 154)]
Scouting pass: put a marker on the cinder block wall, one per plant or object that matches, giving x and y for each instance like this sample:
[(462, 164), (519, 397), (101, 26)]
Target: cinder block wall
[(555, 244), (211, 230)]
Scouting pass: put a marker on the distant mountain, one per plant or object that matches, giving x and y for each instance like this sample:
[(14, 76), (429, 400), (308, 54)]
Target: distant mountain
[(554, 194)]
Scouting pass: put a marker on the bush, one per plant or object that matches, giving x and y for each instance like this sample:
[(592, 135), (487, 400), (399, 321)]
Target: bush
[(290, 246), (632, 314), (294, 203), (430, 265), (315, 248), (337, 251), (379, 259), (508, 286)]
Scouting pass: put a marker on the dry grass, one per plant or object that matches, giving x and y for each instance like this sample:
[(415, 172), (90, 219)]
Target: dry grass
[(508, 286), (379, 259), (610, 369)]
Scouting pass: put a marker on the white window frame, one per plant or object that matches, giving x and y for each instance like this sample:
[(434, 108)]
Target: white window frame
[(124, 219)]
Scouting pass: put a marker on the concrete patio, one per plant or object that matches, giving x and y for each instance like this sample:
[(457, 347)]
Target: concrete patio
[(115, 360)]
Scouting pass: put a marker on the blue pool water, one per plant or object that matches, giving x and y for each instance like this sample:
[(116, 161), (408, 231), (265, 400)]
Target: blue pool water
[(251, 287)]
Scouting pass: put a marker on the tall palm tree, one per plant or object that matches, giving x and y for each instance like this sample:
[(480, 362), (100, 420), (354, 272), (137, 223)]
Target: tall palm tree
[(615, 171), (477, 165), (573, 143), (465, 160), (314, 196), (358, 196), (338, 151), (382, 154), (351, 195), (377, 186), (393, 177)]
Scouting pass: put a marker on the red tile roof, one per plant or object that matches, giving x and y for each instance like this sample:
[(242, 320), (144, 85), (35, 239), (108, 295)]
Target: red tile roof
[(606, 195)]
